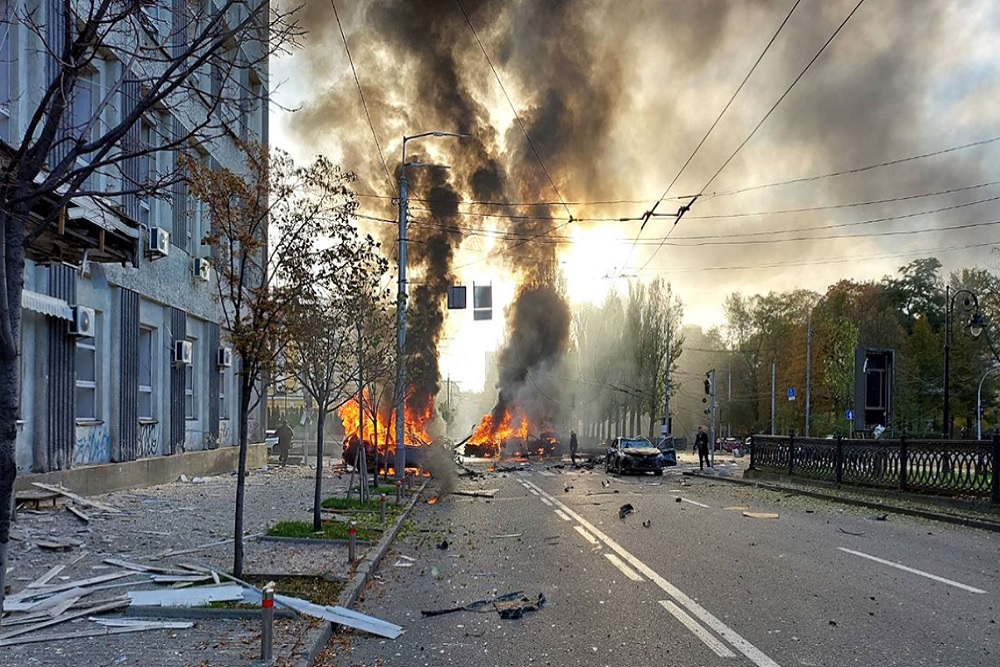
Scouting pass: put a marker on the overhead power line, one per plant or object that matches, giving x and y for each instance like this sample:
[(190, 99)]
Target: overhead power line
[(769, 112), (517, 116), (361, 93)]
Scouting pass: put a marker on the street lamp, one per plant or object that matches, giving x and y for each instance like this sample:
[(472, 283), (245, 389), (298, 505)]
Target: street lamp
[(976, 325), (979, 400), (401, 302)]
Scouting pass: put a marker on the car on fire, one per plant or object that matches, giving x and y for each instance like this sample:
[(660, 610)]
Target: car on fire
[(634, 455)]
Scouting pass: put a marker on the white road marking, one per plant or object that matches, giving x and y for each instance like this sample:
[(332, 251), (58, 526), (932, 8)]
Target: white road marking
[(562, 515), (587, 536), (754, 654), (699, 631), (533, 491), (547, 502), (693, 502), (626, 570), (913, 571)]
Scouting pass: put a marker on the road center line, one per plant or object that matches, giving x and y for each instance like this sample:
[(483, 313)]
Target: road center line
[(699, 631), (547, 502), (626, 570), (587, 536), (533, 491), (562, 515), (911, 570), (754, 654)]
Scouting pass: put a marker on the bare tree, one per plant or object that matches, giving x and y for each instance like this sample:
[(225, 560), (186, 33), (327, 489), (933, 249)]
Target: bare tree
[(322, 326), (276, 234), (82, 137)]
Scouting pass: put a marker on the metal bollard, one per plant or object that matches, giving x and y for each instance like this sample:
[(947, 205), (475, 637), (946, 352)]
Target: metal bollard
[(381, 508), (267, 622), (352, 536), (409, 484), (399, 491)]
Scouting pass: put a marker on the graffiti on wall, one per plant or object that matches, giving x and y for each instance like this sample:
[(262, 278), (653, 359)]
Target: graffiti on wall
[(92, 445), (149, 440), (225, 433)]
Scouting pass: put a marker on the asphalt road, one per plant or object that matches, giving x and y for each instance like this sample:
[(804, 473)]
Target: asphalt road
[(686, 580)]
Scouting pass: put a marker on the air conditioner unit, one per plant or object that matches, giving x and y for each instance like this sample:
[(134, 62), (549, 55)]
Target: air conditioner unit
[(159, 242), (225, 357), (84, 322), (202, 269), (183, 353)]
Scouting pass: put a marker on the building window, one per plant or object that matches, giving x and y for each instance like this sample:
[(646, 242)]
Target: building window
[(223, 378), (196, 224), (146, 361), (85, 96), (190, 408), (86, 378), (146, 169)]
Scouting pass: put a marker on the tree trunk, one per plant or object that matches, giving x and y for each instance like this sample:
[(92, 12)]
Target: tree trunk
[(12, 281), (246, 388), (318, 492)]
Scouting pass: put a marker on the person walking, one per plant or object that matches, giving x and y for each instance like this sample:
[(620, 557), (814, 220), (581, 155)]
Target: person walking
[(573, 444), (701, 444), (285, 435)]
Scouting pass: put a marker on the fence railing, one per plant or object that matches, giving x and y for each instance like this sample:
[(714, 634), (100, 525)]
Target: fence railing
[(944, 467)]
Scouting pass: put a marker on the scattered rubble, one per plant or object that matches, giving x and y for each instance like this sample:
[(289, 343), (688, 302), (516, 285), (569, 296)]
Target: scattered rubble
[(510, 606)]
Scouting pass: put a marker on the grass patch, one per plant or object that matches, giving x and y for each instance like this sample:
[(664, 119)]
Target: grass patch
[(332, 530), (347, 504), (315, 589)]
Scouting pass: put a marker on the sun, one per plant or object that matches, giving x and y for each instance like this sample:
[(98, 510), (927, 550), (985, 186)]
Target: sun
[(593, 262)]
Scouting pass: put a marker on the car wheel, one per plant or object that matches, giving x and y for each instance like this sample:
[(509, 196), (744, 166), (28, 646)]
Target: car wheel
[(658, 473), (607, 465)]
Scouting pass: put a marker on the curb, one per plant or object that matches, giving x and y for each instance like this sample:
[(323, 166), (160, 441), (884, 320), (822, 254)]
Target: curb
[(857, 502), (362, 574), (318, 541)]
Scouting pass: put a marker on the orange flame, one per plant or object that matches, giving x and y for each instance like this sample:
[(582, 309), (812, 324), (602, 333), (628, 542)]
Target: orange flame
[(379, 428), (432, 500), (494, 435)]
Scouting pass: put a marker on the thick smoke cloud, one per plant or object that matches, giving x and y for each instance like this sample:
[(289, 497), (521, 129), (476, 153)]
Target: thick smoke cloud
[(616, 95)]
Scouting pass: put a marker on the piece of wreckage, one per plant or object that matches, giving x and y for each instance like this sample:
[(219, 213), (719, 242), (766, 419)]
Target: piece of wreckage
[(511, 606)]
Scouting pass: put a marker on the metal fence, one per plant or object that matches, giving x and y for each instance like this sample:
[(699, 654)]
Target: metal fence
[(942, 467)]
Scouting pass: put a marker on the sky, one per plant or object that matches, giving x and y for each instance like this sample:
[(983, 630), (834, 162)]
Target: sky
[(615, 98)]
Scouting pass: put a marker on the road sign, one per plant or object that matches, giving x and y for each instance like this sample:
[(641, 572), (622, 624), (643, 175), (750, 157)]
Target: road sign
[(850, 415), (791, 393)]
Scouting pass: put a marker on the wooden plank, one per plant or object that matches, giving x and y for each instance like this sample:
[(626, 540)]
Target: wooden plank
[(139, 567), (78, 514), (45, 578), (63, 607), (62, 619), (186, 597), (81, 583), (77, 499), (179, 578)]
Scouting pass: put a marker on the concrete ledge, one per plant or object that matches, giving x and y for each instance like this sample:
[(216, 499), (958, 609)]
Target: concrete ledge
[(99, 479)]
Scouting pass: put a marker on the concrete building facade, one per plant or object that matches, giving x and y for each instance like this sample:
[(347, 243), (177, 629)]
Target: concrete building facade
[(123, 355)]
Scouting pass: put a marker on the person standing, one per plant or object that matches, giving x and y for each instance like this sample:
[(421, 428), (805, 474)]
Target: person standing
[(285, 435), (573, 444), (701, 444)]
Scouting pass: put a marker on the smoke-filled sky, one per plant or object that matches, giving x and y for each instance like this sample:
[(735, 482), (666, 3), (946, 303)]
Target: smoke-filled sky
[(616, 95)]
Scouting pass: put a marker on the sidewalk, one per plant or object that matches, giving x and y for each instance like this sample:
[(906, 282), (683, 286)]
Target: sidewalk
[(176, 517)]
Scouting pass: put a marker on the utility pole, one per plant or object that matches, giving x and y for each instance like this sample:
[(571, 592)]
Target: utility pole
[(451, 417), (715, 404), (729, 404), (809, 340), (665, 430), (773, 367)]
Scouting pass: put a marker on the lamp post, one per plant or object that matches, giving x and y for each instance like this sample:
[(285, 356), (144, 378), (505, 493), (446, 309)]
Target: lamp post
[(401, 304), (979, 400), (976, 325)]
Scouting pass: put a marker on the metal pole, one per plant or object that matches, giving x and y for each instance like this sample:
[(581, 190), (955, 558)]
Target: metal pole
[(665, 432), (401, 323), (809, 340), (946, 427), (381, 508), (399, 490), (714, 406), (979, 402), (267, 623), (773, 367), (352, 537), (729, 404)]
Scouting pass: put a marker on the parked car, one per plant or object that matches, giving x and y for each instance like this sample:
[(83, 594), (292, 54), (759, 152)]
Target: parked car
[(270, 439), (634, 455), (728, 444)]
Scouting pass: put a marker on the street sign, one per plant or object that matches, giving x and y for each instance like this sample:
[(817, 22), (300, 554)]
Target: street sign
[(791, 393), (850, 415)]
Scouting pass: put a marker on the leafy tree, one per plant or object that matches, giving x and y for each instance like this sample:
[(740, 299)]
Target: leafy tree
[(321, 326), (274, 234), (81, 140)]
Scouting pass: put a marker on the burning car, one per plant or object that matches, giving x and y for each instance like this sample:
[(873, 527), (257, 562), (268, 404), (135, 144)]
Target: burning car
[(633, 455)]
